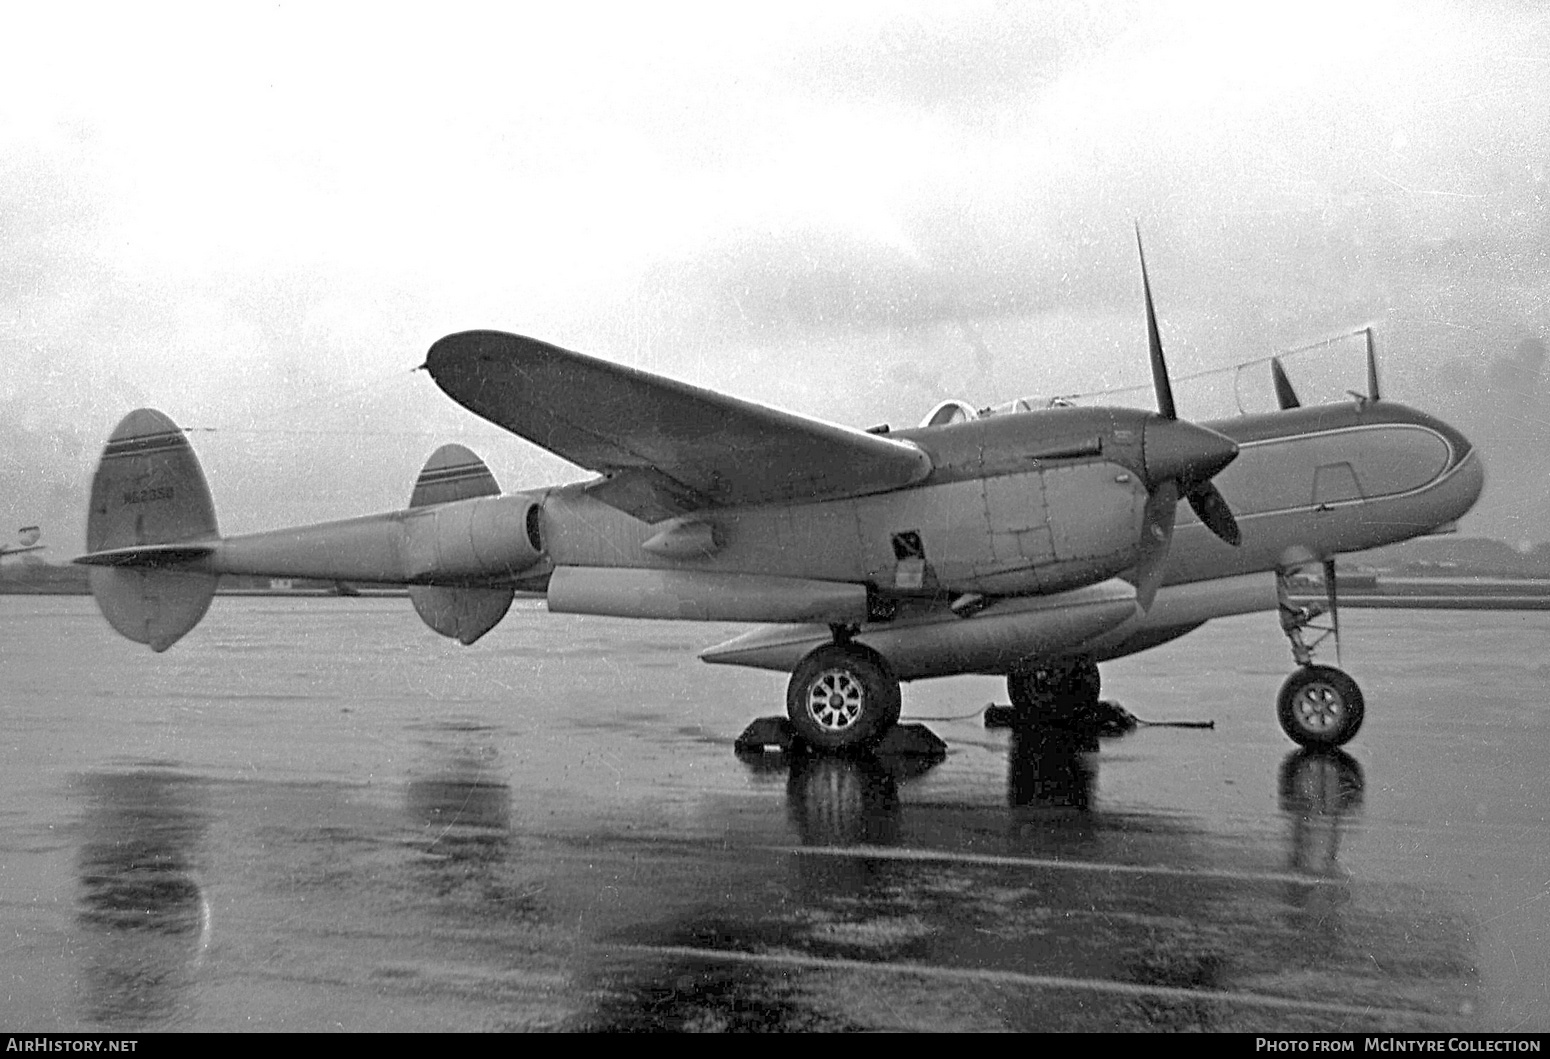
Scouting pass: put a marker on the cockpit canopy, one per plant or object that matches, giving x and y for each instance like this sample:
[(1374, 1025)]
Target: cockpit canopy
[(955, 411), (949, 412), (1029, 404)]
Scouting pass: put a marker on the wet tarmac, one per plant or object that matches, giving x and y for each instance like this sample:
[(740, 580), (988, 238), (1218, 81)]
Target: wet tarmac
[(316, 814)]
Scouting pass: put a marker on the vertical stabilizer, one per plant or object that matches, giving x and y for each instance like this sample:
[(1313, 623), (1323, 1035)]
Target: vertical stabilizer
[(463, 614), (150, 490), (452, 473)]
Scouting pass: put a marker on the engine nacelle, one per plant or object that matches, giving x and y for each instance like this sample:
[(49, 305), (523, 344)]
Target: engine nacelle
[(486, 538)]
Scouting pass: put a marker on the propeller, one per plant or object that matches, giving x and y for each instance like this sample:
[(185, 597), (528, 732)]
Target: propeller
[(1372, 369), (1286, 397), (1162, 508), (1183, 453), (1160, 381)]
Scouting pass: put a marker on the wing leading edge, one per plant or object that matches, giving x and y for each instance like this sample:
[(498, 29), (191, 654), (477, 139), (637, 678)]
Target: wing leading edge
[(665, 448)]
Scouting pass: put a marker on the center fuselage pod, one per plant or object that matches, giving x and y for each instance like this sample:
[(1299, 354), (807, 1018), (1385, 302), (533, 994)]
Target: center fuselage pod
[(1308, 484)]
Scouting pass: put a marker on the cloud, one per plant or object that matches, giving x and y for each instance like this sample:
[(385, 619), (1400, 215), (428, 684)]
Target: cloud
[(260, 217), (972, 62), (1520, 372)]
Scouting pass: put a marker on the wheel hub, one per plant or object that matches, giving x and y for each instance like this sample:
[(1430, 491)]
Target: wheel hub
[(835, 700), (1319, 707)]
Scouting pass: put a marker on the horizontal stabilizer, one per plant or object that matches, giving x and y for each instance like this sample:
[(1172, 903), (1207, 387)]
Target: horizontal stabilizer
[(153, 556)]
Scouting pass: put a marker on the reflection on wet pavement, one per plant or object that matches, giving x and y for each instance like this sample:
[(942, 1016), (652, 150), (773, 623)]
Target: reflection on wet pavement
[(465, 813), (143, 914), (525, 858), (1318, 790), (1050, 769), (859, 907), (1031, 941)]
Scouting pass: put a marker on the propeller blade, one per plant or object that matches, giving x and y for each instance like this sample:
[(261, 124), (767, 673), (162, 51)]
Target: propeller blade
[(1154, 343), (1285, 395), (1372, 369), (1211, 508), (1161, 510), (1177, 456)]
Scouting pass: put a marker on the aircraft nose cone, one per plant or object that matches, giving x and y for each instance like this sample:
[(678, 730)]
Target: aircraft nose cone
[(1174, 449), (1471, 482)]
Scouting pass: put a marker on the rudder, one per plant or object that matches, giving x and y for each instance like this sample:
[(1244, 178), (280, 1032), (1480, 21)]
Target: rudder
[(149, 490)]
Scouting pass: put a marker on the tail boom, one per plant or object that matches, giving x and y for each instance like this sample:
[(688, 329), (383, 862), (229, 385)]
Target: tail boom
[(462, 543), (156, 552)]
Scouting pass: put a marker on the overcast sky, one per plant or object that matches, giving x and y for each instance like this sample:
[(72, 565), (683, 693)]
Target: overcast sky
[(257, 217)]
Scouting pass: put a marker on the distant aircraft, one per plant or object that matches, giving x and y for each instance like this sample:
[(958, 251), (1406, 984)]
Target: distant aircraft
[(27, 537), (1029, 544)]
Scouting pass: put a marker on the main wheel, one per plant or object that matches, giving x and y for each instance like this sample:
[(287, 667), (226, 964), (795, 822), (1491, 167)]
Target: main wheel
[(1056, 693), (1319, 706), (842, 697)]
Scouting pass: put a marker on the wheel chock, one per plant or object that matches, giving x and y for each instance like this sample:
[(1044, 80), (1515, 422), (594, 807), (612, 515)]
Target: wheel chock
[(775, 735), (910, 740), (1106, 719), (766, 735)]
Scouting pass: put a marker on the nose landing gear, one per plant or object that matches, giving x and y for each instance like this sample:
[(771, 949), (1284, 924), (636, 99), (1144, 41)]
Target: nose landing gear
[(1319, 706)]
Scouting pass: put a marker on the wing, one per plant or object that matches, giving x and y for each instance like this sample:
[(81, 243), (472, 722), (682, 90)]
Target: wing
[(664, 448)]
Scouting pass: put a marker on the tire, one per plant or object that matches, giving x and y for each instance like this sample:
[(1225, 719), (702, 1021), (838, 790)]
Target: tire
[(1320, 707), (842, 697), (1058, 693)]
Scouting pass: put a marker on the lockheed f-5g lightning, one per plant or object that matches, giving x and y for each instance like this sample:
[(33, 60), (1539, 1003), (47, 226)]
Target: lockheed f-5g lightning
[(1032, 544)]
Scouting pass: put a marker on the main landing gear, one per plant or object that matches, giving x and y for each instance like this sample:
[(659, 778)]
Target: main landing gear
[(1319, 706), (1054, 694), (843, 696)]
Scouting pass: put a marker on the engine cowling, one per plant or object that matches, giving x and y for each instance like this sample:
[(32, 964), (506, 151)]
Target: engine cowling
[(489, 538), (461, 535)]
